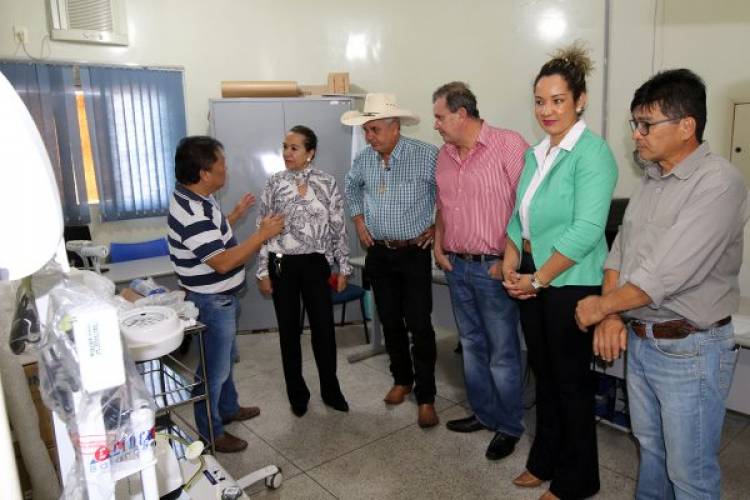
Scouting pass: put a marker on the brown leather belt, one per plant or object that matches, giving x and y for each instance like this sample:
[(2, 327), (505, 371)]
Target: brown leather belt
[(675, 329), (526, 246), (398, 244), (476, 257)]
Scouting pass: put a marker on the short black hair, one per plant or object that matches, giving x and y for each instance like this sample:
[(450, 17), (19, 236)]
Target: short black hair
[(310, 139), (195, 153), (679, 93), (457, 95)]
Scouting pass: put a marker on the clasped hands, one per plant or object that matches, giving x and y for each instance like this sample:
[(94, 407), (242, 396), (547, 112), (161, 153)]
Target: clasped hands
[(610, 333), (518, 285)]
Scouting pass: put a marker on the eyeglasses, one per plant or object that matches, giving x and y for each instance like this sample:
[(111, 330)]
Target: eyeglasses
[(643, 128)]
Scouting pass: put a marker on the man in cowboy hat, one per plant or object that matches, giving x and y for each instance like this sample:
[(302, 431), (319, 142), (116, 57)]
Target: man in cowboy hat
[(390, 192)]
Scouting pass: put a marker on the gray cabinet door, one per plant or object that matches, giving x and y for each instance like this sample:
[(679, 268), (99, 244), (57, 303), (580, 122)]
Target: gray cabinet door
[(252, 131)]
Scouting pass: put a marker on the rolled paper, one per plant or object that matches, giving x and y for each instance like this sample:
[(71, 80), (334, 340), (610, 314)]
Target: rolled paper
[(259, 89)]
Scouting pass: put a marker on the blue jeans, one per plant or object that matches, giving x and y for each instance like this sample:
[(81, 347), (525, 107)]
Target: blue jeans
[(487, 320), (219, 313), (676, 392)]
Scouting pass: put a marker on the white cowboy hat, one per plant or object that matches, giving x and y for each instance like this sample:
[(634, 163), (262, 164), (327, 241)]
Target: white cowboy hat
[(377, 107)]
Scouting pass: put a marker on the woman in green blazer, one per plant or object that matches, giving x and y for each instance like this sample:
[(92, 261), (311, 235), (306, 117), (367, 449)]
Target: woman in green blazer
[(554, 257)]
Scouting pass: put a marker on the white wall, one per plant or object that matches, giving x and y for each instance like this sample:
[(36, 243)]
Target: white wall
[(412, 47)]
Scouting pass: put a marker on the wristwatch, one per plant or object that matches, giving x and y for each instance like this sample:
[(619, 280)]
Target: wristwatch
[(536, 283)]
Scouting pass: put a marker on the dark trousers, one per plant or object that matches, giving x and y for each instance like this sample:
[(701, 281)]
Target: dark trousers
[(402, 284), (564, 448), (305, 276)]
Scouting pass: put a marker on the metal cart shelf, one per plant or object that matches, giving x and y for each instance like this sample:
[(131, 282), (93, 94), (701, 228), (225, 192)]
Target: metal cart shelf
[(172, 385)]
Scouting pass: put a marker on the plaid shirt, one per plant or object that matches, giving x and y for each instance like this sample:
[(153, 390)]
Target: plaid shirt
[(398, 202)]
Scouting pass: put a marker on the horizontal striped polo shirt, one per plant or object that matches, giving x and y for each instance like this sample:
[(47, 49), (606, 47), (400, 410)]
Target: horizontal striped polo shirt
[(197, 232)]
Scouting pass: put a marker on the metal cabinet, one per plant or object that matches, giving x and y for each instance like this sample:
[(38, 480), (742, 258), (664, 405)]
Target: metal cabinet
[(252, 131)]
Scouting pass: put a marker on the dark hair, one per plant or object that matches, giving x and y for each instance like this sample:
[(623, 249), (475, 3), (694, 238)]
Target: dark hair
[(310, 139), (457, 95), (679, 93), (195, 153), (573, 64)]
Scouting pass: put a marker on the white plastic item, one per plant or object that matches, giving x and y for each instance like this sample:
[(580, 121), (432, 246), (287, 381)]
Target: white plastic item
[(168, 471), (32, 223), (146, 286), (151, 331)]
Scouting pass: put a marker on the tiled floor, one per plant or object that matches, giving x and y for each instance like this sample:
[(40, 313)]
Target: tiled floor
[(376, 451)]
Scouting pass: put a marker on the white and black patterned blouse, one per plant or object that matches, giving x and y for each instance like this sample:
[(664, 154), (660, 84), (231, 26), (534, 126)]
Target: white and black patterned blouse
[(313, 223)]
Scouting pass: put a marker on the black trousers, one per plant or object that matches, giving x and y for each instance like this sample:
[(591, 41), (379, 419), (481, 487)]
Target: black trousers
[(402, 284), (305, 276), (564, 448)]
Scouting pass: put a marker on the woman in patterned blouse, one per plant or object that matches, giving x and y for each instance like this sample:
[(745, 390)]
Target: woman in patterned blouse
[(297, 263)]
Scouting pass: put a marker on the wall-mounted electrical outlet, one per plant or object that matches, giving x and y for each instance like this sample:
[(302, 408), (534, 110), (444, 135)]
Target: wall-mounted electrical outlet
[(20, 34)]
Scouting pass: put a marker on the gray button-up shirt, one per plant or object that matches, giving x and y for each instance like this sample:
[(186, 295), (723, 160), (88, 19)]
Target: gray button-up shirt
[(681, 240)]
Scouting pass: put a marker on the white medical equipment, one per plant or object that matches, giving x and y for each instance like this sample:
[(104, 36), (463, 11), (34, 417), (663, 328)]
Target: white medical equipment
[(91, 255)]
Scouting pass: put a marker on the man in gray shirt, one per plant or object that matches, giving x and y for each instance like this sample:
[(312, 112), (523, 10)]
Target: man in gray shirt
[(670, 287)]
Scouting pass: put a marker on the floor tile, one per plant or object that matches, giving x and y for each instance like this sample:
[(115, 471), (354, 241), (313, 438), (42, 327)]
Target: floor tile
[(735, 467), (323, 433), (618, 451)]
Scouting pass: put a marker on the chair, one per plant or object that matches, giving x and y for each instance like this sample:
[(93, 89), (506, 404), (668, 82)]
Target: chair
[(76, 233), (121, 252), (350, 293)]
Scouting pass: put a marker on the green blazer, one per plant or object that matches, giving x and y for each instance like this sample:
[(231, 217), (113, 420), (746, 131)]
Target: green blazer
[(569, 209)]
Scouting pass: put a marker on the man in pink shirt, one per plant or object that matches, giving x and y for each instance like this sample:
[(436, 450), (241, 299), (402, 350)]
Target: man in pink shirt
[(478, 168)]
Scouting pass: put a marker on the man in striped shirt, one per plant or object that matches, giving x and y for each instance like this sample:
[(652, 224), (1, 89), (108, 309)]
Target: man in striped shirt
[(390, 192), (478, 168), (210, 266)]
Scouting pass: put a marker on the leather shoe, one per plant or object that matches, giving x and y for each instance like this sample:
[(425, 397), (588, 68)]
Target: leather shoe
[(299, 409), (397, 394), (245, 413), (226, 443), (501, 446), (468, 424), (527, 480), (337, 403), (427, 416), (548, 495)]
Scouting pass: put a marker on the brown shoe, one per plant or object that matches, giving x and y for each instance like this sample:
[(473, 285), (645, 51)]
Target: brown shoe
[(427, 416), (245, 413), (397, 394), (548, 495), (226, 443), (527, 480)]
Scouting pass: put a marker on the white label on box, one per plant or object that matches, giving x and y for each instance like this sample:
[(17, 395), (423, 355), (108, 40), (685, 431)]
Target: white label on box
[(97, 337)]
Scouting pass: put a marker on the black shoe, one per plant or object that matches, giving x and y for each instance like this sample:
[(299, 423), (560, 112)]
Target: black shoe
[(501, 446), (337, 403), (299, 409), (468, 424)]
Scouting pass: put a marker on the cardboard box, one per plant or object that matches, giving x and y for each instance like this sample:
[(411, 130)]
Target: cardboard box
[(338, 83), (46, 428)]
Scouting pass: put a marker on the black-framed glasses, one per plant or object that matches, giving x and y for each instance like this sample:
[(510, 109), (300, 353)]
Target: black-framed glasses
[(644, 128)]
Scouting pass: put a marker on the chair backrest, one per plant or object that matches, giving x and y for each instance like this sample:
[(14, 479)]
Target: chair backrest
[(121, 252)]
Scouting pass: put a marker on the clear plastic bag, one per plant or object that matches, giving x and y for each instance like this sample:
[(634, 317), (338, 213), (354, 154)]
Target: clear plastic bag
[(108, 412)]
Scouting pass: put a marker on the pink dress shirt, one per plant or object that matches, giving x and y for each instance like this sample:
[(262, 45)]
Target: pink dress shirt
[(476, 196)]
